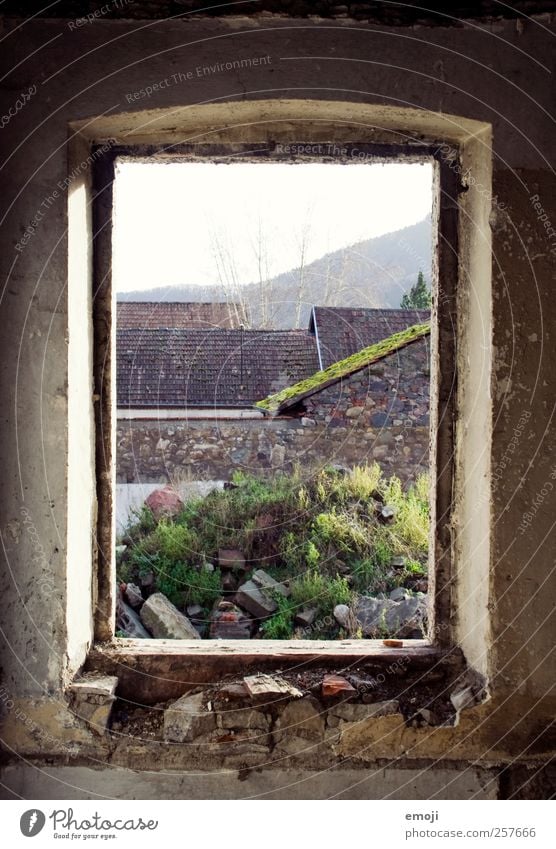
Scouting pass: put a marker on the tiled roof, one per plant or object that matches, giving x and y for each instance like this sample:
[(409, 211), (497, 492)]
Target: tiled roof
[(199, 368), (343, 331), (292, 395), (155, 314)]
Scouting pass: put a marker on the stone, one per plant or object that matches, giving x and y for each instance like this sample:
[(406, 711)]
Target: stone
[(303, 718), (165, 621), (270, 685), (352, 712), (381, 618), (399, 594), (254, 599), (379, 419), (244, 719), (354, 412), (266, 582), (94, 685), (134, 596), (231, 558), (92, 699), (164, 503), (342, 615), (397, 562), (194, 611), (229, 583), (428, 716), (471, 690), (228, 622), (306, 617), (307, 422), (147, 580), (233, 691), (408, 619), (371, 614), (128, 622), (277, 456), (187, 719), (334, 685), (387, 514)]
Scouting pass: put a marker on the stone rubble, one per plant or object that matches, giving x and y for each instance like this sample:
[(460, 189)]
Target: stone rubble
[(165, 621)]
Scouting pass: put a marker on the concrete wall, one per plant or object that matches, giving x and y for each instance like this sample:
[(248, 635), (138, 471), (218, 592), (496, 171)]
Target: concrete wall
[(447, 77)]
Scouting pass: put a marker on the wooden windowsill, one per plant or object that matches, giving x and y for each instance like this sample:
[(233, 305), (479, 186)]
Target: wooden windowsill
[(151, 671)]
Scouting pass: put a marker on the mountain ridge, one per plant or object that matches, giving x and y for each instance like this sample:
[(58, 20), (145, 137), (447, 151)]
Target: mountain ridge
[(370, 273)]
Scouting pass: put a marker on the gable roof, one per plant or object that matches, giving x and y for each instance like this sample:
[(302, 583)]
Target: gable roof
[(151, 315), (292, 395), (343, 331), (209, 368)]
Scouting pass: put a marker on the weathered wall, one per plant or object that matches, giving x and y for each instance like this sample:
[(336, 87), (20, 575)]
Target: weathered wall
[(499, 74)]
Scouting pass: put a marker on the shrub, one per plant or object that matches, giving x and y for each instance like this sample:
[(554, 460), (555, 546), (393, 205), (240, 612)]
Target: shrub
[(176, 542), (184, 585), (307, 528), (343, 531)]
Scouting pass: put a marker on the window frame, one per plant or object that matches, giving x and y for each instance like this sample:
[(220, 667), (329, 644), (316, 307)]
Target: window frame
[(202, 659)]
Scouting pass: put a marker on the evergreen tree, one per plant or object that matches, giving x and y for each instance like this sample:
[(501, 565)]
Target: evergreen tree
[(419, 296)]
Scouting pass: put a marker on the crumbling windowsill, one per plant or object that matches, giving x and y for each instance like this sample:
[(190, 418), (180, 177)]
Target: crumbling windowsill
[(151, 671)]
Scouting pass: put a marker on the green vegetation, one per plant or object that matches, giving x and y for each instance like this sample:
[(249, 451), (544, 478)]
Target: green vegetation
[(336, 371), (418, 297), (321, 534)]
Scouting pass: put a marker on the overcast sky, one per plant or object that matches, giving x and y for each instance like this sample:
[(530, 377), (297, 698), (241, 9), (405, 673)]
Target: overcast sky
[(173, 221)]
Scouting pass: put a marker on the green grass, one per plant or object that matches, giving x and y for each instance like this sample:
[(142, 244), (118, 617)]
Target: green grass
[(319, 531)]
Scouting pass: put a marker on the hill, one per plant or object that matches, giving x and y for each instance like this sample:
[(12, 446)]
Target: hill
[(373, 273)]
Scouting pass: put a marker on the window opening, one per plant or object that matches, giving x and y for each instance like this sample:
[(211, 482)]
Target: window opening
[(272, 343)]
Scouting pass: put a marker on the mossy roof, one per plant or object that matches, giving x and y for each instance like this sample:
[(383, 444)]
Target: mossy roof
[(321, 379)]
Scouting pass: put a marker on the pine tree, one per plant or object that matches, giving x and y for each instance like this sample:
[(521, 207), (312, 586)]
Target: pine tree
[(419, 296)]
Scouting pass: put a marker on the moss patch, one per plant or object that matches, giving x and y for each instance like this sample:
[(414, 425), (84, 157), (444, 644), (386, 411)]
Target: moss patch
[(367, 356)]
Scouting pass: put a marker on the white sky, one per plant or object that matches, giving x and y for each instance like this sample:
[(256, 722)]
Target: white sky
[(172, 220)]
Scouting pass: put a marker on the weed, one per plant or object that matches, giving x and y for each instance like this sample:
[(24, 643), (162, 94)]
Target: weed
[(280, 625), (313, 589)]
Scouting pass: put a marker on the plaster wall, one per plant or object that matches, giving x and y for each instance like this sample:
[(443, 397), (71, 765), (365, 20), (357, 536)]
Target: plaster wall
[(495, 74)]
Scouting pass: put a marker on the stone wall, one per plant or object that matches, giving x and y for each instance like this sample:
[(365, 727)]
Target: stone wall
[(161, 451), (379, 413), (392, 393)]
